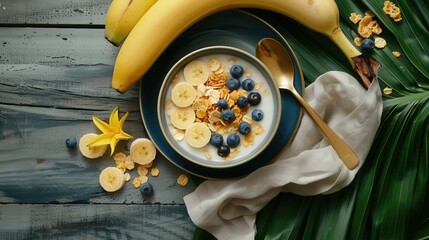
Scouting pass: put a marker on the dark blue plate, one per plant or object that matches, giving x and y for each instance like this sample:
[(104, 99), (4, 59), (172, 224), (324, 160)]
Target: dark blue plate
[(230, 28)]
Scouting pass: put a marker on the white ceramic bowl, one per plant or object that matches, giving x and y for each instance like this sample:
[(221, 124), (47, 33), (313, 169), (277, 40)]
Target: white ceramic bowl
[(270, 105)]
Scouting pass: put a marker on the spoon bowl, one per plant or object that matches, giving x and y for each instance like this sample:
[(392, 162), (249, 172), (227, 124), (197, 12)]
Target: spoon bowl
[(278, 61)]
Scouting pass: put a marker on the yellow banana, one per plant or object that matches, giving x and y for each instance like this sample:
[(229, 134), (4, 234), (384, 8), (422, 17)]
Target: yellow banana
[(166, 19), (122, 16)]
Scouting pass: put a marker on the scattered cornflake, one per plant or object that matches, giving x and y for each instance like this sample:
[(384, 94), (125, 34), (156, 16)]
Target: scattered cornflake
[(387, 90), (168, 104), (142, 171), (358, 41), (367, 27), (214, 64), (265, 92), (178, 134), (129, 164), (257, 129), (137, 182), (355, 18), (154, 172), (234, 151), (380, 42), (207, 154), (390, 9), (175, 79), (182, 180), (220, 70), (122, 166), (258, 86), (119, 157), (247, 118), (233, 59), (396, 53), (148, 165), (247, 72), (143, 179), (127, 177)]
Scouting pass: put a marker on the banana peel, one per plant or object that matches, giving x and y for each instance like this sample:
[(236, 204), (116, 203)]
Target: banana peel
[(367, 68)]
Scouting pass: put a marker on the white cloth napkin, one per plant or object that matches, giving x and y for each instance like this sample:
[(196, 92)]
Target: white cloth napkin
[(308, 166)]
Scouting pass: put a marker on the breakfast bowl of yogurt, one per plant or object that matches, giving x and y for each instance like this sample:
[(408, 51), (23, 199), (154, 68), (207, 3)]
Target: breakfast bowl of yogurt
[(219, 107)]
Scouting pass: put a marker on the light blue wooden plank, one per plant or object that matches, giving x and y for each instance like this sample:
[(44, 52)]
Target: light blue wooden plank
[(53, 11), (77, 221), (44, 99)]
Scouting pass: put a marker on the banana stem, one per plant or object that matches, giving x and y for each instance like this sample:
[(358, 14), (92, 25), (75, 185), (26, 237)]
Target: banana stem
[(345, 45)]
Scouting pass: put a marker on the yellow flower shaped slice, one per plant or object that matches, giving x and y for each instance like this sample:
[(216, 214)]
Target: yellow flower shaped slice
[(112, 132)]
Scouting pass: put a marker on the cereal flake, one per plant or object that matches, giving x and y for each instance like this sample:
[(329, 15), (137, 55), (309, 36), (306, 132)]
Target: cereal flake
[(182, 180)]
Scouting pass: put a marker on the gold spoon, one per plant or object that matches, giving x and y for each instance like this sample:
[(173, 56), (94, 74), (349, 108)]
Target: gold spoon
[(278, 61)]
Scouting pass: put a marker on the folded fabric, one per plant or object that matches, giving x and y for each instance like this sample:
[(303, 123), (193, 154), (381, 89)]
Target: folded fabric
[(307, 166)]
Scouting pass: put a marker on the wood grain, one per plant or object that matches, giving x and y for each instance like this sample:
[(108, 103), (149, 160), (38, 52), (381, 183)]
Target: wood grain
[(84, 221), (84, 12), (49, 90)]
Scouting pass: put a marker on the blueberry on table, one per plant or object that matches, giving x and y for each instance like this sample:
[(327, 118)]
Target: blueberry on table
[(233, 140), (367, 45), (254, 98), (257, 115), (216, 140), (242, 102), (233, 84), (227, 115), (248, 84), (244, 128), (222, 104), (223, 150), (146, 188), (236, 71), (71, 142)]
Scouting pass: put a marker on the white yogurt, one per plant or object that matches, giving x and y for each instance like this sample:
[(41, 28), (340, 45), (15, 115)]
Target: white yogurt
[(267, 106)]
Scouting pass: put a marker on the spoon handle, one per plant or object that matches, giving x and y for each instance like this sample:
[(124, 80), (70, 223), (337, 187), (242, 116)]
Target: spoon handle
[(343, 150)]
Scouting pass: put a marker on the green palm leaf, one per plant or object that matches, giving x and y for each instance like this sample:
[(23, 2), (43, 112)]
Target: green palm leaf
[(388, 199)]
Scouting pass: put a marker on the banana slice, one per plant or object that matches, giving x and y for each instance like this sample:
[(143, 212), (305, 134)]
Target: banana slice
[(198, 135), (195, 73), (91, 152), (182, 118), (112, 179), (183, 94), (142, 151)]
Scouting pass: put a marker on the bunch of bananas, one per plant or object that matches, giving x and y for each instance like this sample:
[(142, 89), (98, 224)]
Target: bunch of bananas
[(149, 26)]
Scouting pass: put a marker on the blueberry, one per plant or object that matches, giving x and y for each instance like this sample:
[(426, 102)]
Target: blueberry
[(216, 139), (223, 150), (233, 83), (242, 102), (222, 104), (228, 116), (244, 128), (254, 98), (257, 115), (236, 71), (146, 189), (71, 142), (233, 140), (248, 84), (367, 45)]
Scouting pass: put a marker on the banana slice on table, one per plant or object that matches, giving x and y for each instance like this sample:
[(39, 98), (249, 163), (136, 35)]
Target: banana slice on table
[(142, 151), (91, 152), (112, 179), (198, 135), (183, 94), (182, 118), (196, 73)]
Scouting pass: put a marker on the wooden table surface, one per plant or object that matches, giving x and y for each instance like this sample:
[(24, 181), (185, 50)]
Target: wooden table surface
[(55, 73)]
